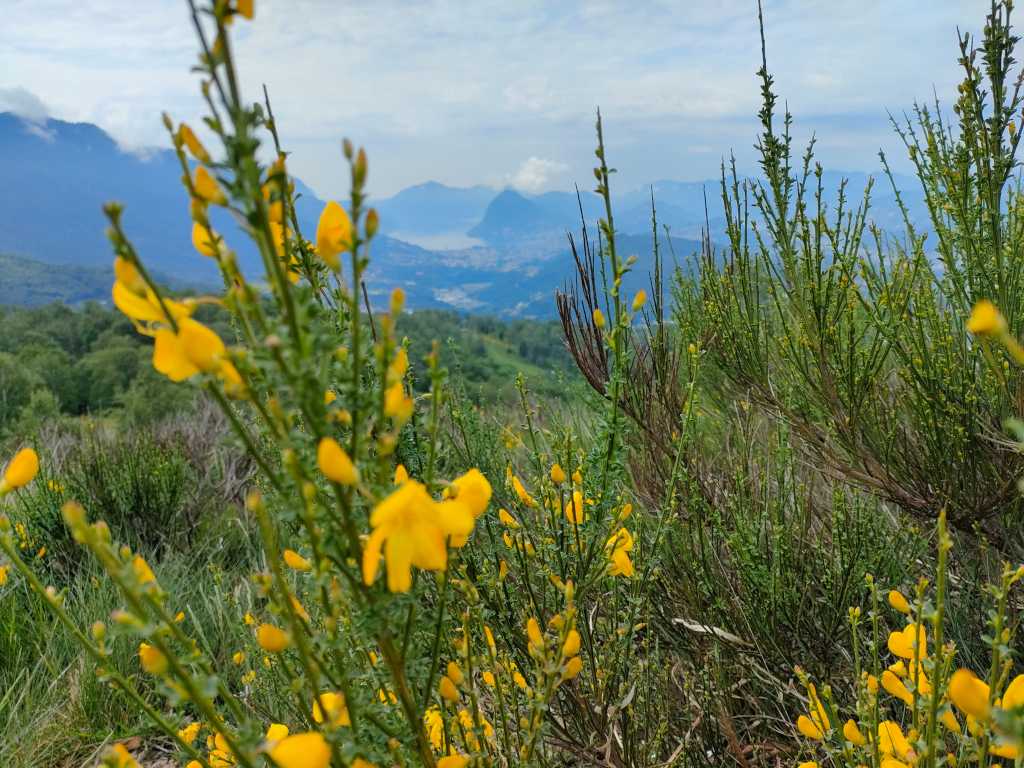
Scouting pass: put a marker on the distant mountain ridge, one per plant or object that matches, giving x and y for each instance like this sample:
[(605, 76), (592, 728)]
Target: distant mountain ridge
[(514, 250)]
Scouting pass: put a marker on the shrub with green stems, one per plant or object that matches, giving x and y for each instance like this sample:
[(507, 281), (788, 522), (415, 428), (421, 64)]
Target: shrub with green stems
[(854, 336)]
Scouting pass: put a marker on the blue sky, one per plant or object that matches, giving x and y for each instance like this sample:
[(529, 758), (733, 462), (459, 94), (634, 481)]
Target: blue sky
[(501, 92)]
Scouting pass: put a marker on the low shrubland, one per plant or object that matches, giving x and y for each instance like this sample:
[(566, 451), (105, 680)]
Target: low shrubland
[(768, 523)]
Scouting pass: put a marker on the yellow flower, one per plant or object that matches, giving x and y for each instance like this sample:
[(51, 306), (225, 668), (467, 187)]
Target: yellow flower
[(898, 601), (360, 763), (524, 496), (872, 683), (398, 366), (557, 474), (192, 349), (434, 723), (4, 569), (574, 510), (808, 764), (489, 678), (901, 643), (852, 733), (204, 240), (276, 732), (126, 273), (598, 318), (303, 750), (332, 707), (617, 549), (412, 530), (330, 396), (507, 519), (453, 761), (572, 668), (21, 470), (333, 234), (1004, 749), (142, 570), (472, 493), (639, 300), (571, 647), (207, 189), (189, 732), (245, 8), (807, 727), (892, 741), (271, 638), (949, 720), (895, 687), (335, 463), (534, 634), (296, 561), (396, 404), (448, 690), (969, 694), (455, 673), (153, 661), (118, 756), (401, 474), (1014, 695), (238, 658), (188, 138), (519, 680), (472, 490), (986, 320), (143, 306)]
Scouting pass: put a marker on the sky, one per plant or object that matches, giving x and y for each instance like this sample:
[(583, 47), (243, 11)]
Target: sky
[(501, 92)]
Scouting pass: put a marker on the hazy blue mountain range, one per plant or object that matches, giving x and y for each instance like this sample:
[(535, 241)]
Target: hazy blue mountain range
[(475, 249)]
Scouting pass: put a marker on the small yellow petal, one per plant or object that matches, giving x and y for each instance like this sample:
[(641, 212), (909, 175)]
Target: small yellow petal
[(335, 463)]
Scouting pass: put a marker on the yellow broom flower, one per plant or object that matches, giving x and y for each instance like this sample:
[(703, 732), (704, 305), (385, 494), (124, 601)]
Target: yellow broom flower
[(896, 688), (333, 234), (295, 561), (335, 463), (204, 240), (331, 707), (898, 601), (153, 661), (411, 529), (188, 138), (986, 320), (271, 638), (969, 694), (303, 750), (21, 470), (207, 189), (852, 733)]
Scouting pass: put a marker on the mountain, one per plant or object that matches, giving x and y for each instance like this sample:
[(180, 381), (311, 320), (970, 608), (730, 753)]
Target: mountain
[(510, 214), (31, 283), (472, 249), (433, 209)]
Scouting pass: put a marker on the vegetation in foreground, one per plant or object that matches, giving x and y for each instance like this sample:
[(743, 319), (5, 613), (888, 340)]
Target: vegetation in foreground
[(774, 533)]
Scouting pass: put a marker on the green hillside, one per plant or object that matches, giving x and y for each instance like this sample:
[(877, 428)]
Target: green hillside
[(30, 283)]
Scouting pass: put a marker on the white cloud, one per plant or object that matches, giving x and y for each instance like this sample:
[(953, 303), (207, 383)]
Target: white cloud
[(536, 173), (24, 104), (457, 91)]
